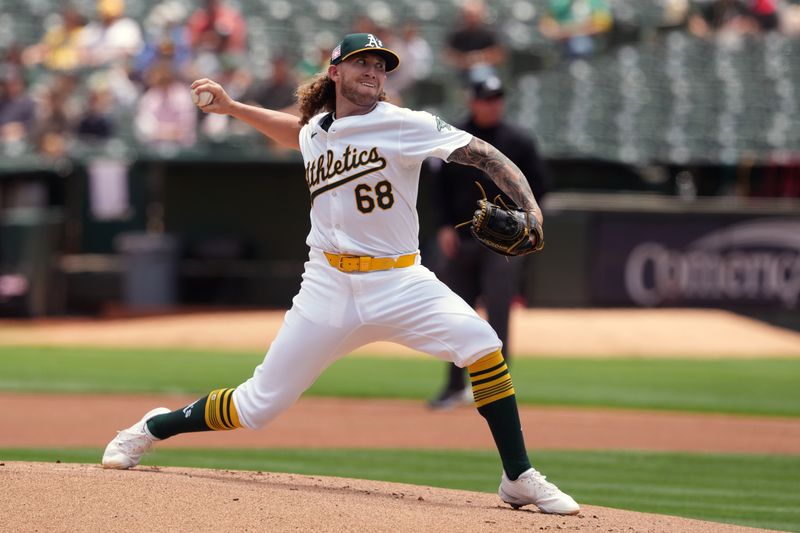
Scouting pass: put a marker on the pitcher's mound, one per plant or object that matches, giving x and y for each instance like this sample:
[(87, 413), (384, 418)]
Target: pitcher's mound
[(72, 497)]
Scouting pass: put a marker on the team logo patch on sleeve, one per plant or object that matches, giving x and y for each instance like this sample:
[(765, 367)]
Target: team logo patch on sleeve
[(441, 125)]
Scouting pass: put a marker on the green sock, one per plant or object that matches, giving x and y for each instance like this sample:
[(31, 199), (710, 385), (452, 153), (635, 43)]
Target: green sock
[(497, 403), (213, 412), (503, 419)]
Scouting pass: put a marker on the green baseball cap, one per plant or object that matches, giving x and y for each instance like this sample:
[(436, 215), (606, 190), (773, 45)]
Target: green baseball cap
[(363, 42)]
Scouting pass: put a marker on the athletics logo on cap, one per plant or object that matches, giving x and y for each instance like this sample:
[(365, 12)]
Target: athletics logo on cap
[(363, 42)]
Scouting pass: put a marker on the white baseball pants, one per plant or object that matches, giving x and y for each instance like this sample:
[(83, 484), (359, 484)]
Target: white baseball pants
[(335, 312)]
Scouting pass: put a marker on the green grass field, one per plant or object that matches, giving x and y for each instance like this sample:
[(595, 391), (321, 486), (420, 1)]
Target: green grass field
[(758, 387), (753, 490)]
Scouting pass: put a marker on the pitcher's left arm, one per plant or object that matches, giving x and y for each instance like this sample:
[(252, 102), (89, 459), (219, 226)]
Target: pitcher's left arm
[(506, 175)]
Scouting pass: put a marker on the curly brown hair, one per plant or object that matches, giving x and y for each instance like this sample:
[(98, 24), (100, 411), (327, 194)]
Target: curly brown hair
[(318, 94)]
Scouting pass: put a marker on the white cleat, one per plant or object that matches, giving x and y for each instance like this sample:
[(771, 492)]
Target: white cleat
[(531, 487), (127, 448)]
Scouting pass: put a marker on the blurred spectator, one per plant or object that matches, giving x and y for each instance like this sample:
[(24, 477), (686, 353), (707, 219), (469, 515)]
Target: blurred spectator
[(728, 18), (17, 108), (166, 116), (217, 34), (577, 25), (166, 36), (790, 20), (418, 51), (236, 80), (277, 90), (218, 27), (765, 14), (124, 91), (96, 122), (416, 64), (12, 56), (60, 48), (112, 38), (234, 74), (674, 14), (316, 56), (473, 43), (364, 24), (56, 117)]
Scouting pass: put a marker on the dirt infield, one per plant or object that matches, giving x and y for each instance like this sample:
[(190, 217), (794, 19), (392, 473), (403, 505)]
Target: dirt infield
[(341, 423), (534, 332), (80, 498)]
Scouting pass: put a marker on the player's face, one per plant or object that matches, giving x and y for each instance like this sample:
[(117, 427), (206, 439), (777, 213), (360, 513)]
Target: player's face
[(487, 112), (361, 78)]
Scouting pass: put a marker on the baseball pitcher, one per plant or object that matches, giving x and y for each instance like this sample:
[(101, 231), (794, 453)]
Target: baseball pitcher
[(363, 281)]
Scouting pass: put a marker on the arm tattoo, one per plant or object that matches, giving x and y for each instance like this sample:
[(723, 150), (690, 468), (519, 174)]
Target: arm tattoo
[(500, 169)]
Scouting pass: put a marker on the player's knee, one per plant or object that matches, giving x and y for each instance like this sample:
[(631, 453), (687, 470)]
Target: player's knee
[(471, 337)]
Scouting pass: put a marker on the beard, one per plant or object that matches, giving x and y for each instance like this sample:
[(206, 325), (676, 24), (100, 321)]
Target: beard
[(350, 92)]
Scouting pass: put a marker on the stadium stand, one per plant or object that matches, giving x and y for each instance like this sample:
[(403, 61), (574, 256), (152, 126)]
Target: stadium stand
[(656, 94), (681, 100)]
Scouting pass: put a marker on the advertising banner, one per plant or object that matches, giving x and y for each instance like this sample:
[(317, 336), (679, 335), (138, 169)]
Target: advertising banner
[(708, 260)]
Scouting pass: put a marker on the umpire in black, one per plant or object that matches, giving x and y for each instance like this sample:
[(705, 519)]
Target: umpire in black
[(468, 268)]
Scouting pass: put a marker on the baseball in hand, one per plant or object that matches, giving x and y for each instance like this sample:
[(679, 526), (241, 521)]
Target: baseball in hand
[(202, 99)]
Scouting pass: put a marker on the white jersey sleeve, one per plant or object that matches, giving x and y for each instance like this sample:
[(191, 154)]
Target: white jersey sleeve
[(424, 135)]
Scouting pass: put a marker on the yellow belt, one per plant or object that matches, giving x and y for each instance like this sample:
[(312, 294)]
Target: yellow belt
[(355, 263)]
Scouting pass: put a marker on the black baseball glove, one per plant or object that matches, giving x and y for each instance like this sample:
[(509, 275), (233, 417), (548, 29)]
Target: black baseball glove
[(504, 230)]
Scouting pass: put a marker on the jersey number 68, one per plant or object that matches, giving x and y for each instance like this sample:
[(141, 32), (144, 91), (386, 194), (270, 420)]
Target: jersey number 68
[(383, 196)]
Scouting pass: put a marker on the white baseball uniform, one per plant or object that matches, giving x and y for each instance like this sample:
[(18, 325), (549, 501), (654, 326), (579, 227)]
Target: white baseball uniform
[(363, 177)]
